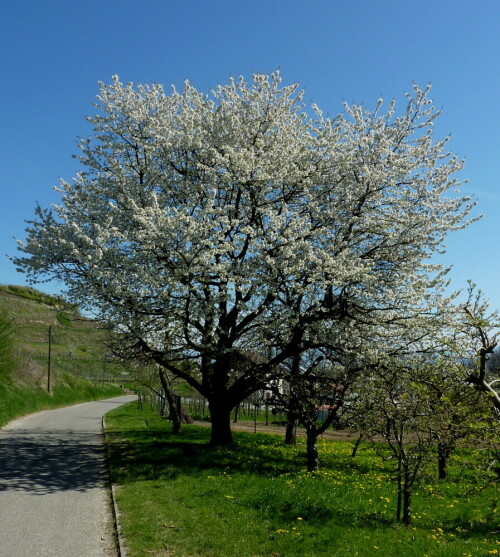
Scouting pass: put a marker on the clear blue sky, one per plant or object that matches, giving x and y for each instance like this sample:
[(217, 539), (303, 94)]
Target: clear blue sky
[(53, 53)]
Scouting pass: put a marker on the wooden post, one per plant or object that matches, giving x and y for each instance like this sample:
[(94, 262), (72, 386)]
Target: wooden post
[(49, 362)]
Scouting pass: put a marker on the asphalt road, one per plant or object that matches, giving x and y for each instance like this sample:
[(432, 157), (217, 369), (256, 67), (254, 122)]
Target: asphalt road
[(53, 499)]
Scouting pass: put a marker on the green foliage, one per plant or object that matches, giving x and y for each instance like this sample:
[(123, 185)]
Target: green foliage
[(178, 496), (36, 295), (64, 319)]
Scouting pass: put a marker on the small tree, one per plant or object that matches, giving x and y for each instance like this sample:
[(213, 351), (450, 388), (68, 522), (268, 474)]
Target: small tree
[(479, 333), (150, 375), (398, 408), (312, 382)]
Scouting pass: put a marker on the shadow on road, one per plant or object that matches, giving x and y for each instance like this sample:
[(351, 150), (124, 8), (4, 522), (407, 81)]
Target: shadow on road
[(48, 461)]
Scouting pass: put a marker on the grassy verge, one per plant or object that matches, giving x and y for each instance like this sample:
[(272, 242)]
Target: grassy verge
[(18, 400), (179, 498)]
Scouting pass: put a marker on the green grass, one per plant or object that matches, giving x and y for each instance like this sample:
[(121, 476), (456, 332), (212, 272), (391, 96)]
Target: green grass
[(18, 400), (78, 346), (6, 346), (78, 350), (34, 294), (177, 497)]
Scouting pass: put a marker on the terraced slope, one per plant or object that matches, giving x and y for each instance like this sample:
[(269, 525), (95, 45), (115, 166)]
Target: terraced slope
[(78, 345)]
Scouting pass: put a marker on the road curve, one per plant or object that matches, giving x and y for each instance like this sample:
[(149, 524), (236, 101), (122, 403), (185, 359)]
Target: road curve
[(53, 498)]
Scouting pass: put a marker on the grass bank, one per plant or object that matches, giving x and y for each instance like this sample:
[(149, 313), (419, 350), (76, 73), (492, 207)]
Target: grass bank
[(18, 400), (177, 497), (78, 345), (34, 324)]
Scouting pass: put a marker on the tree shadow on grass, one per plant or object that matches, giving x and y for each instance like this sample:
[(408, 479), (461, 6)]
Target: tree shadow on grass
[(155, 454)]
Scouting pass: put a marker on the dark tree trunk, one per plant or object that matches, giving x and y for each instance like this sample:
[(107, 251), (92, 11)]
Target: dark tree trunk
[(356, 445), (172, 406), (290, 436), (220, 413), (185, 417), (400, 488), (291, 418), (312, 450), (444, 452), (236, 412), (407, 493)]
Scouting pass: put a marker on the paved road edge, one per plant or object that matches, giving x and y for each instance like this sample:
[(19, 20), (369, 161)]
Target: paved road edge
[(120, 543)]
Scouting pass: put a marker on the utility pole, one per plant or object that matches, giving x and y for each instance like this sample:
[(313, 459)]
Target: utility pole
[(48, 366)]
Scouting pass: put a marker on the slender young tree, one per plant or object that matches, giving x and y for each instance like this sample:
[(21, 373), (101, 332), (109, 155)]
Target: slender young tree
[(479, 331), (312, 383), (401, 408), (199, 223)]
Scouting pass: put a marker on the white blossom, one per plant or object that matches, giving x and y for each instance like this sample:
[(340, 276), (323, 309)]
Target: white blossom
[(223, 217)]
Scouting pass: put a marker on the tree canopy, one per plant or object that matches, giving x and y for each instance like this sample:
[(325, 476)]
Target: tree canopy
[(223, 232)]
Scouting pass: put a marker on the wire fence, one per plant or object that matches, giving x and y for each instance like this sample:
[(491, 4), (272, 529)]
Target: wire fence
[(36, 367), (196, 406)]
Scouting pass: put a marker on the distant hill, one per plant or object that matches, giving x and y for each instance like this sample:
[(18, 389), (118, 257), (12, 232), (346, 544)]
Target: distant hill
[(78, 344)]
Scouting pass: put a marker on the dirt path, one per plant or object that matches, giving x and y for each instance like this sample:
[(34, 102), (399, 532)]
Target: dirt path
[(249, 427)]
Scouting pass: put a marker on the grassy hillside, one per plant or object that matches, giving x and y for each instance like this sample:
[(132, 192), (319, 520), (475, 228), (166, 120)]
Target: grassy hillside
[(80, 366), (78, 344)]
